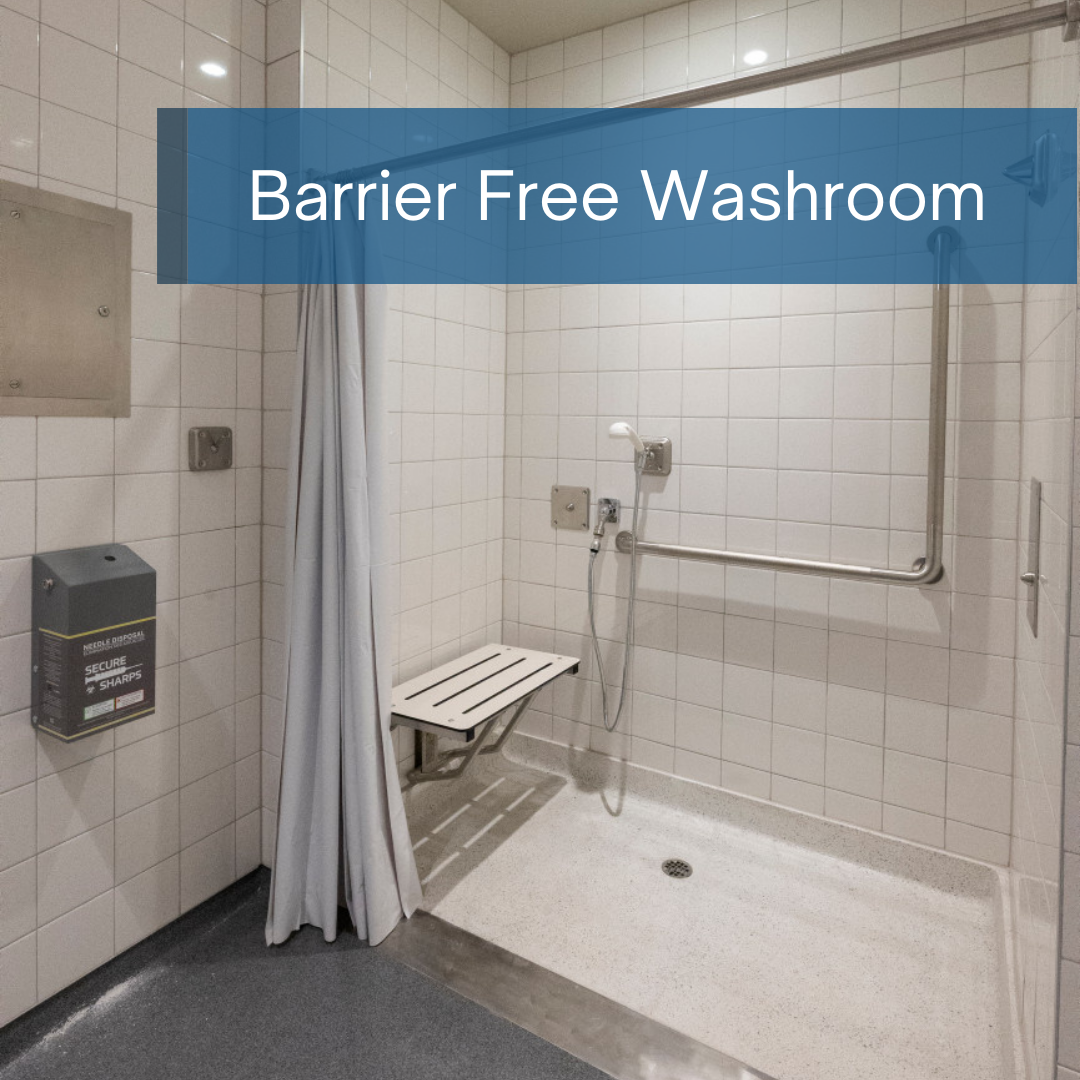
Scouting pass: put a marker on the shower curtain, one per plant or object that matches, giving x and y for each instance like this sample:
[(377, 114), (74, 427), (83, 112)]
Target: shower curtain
[(342, 837)]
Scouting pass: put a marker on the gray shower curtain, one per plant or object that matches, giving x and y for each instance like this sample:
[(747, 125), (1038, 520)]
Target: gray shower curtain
[(342, 836)]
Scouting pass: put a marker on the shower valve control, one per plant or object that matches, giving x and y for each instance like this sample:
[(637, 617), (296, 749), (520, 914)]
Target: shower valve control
[(607, 510), (657, 457)]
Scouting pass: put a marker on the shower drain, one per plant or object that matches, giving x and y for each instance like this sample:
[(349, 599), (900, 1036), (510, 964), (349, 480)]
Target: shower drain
[(677, 868)]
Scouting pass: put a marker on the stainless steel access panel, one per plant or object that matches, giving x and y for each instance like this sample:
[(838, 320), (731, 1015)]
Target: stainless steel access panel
[(65, 305), (928, 568)]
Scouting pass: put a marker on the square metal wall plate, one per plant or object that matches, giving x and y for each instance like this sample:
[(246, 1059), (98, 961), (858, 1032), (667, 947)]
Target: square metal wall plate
[(210, 448), (657, 457), (570, 507)]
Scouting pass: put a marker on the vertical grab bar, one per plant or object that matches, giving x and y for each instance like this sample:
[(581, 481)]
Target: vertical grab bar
[(941, 242), (928, 568)]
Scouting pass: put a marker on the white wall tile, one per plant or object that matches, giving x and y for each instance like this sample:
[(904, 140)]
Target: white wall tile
[(78, 76), (73, 801), (18, 52), (147, 836), (19, 960), (74, 446), (146, 770), (147, 902), (18, 916), (152, 39), (74, 944), (18, 838), (73, 872), (77, 149), (207, 867), (19, 150)]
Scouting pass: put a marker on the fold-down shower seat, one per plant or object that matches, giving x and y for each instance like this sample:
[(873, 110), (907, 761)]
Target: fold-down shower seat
[(466, 697)]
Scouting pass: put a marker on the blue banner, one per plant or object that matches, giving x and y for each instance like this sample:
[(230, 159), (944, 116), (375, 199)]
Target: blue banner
[(614, 195)]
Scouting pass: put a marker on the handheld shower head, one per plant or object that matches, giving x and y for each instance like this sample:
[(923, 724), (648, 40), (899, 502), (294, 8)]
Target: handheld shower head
[(622, 430)]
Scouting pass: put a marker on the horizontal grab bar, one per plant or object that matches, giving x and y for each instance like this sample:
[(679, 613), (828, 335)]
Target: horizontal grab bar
[(924, 573), (927, 569)]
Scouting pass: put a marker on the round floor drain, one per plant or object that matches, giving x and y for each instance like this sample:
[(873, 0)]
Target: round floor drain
[(677, 868)]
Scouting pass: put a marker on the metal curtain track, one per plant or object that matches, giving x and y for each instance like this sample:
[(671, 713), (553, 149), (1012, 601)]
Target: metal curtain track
[(928, 568), (1065, 14)]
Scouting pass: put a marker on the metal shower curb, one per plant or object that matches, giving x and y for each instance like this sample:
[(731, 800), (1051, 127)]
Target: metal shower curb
[(603, 1033)]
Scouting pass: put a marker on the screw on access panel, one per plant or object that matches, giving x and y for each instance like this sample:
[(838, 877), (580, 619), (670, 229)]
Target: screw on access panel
[(48, 584)]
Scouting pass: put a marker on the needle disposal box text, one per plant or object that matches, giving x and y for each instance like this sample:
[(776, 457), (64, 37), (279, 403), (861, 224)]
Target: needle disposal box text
[(94, 621)]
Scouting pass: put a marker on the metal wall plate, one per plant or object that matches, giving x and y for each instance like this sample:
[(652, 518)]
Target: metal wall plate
[(570, 507), (65, 289), (210, 448), (657, 457)]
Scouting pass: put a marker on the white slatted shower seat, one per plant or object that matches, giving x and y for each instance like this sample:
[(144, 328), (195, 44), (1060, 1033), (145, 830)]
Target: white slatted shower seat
[(466, 698)]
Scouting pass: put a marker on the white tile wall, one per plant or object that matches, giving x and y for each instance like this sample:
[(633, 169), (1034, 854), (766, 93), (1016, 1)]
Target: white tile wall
[(798, 417), (766, 463), (99, 845)]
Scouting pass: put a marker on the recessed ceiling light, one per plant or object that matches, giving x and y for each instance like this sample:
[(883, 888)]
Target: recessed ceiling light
[(217, 71), (755, 57)]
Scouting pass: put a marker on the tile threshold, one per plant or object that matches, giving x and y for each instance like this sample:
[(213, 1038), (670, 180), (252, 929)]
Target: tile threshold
[(603, 1033)]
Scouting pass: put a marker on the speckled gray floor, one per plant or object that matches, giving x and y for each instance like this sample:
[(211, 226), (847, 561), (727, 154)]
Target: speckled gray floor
[(212, 1001)]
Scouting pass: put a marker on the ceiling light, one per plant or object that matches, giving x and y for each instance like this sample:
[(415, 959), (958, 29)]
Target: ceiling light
[(755, 57), (217, 71)]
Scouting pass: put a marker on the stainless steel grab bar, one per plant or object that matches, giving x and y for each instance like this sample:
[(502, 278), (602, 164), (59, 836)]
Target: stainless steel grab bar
[(928, 568)]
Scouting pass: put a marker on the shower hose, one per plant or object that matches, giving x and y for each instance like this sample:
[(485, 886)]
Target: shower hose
[(612, 724)]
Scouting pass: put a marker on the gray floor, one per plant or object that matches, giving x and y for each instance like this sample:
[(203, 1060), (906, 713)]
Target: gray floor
[(208, 999)]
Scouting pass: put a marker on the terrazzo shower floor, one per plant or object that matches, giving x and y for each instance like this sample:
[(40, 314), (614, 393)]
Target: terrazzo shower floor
[(806, 950)]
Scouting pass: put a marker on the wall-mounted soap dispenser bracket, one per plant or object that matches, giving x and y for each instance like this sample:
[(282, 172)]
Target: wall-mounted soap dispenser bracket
[(1030, 577), (210, 448), (1044, 170)]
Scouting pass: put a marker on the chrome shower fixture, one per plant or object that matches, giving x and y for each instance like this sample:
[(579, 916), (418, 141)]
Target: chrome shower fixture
[(651, 456), (622, 430), (607, 512)]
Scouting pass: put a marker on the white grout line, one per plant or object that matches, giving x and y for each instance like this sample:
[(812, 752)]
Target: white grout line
[(453, 817), (440, 868), (520, 799), (489, 788), (472, 840)]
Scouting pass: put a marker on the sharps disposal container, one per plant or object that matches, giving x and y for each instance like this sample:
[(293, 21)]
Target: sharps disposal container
[(93, 648)]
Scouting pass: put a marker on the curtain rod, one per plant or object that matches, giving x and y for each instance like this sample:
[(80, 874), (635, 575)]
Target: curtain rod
[(1064, 14)]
